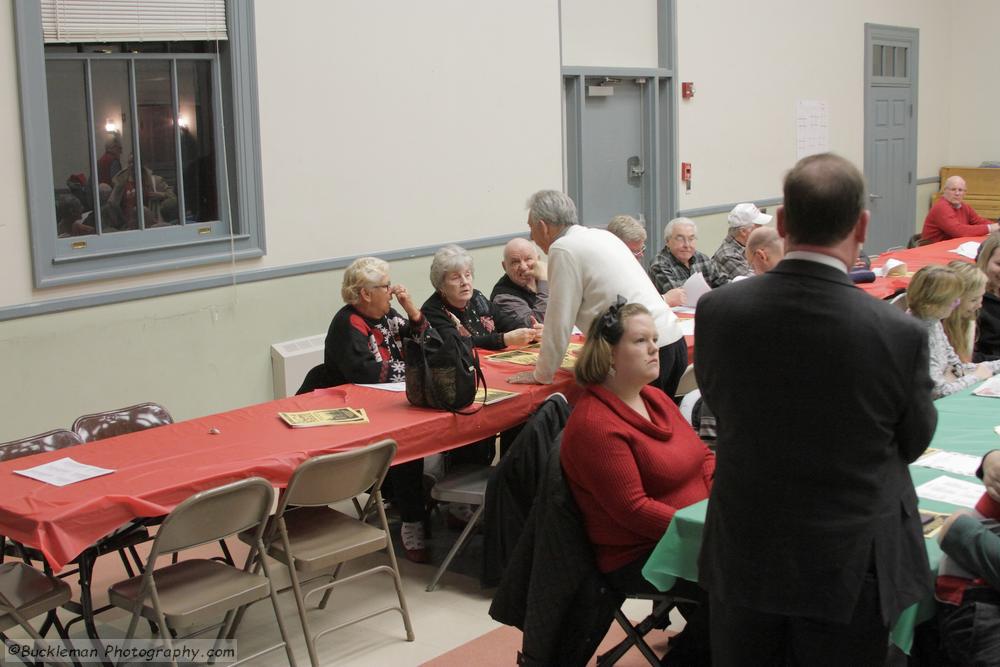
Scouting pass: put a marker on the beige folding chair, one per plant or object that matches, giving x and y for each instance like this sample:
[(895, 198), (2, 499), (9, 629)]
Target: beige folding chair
[(465, 484), (110, 423), (26, 593), (184, 595), (314, 541), (688, 382)]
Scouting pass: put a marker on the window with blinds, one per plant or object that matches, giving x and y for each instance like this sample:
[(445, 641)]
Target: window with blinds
[(132, 20), (135, 92)]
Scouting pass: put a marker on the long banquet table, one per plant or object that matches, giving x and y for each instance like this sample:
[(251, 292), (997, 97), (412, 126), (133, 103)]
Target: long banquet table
[(965, 424), (156, 469), (915, 258)]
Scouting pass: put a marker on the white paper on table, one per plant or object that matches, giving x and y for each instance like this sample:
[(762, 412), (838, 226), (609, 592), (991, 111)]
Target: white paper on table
[(989, 388), (952, 491), (954, 462), (683, 310), (386, 386), (63, 471), (687, 326), (694, 287), (968, 249)]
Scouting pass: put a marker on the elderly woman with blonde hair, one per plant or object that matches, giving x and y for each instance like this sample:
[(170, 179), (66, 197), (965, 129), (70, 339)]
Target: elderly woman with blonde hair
[(365, 345)]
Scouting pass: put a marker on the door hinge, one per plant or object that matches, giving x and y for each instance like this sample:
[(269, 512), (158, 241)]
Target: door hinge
[(909, 177), (911, 111)]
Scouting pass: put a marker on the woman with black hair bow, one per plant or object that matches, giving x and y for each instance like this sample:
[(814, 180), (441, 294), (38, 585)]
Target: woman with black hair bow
[(631, 460)]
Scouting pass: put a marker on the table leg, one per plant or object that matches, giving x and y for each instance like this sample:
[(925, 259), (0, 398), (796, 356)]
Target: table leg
[(86, 565)]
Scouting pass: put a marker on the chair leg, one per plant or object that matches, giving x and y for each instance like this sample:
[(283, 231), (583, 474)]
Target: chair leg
[(277, 613), (297, 592), (459, 543), (329, 591), (395, 569)]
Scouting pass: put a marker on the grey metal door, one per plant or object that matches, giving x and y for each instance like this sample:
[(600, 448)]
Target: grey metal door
[(890, 134), (614, 162)]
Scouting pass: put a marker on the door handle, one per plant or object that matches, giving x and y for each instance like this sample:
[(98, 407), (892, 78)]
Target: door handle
[(874, 197)]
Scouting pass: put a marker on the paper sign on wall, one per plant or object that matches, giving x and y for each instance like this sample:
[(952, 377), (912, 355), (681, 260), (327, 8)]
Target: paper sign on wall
[(812, 128)]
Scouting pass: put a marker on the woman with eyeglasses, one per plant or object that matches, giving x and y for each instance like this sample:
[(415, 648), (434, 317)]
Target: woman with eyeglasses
[(365, 345), (932, 295)]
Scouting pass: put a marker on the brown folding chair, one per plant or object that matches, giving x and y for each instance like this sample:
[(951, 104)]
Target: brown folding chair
[(184, 595), (26, 593), (110, 423), (314, 541), (139, 417)]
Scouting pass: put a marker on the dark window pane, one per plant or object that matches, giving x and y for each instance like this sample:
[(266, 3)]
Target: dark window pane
[(194, 92), (71, 151), (113, 130), (157, 142), (876, 60), (901, 61)]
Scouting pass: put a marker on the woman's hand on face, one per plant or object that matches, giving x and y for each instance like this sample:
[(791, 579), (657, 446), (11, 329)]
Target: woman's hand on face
[(405, 301)]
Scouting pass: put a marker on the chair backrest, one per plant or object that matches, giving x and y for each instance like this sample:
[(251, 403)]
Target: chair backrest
[(211, 515), (330, 478), (49, 441), (900, 301), (108, 424), (688, 381)]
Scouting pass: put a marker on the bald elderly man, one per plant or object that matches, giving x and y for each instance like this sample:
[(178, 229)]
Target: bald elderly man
[(765, 249), (520, 296), (951, 218)]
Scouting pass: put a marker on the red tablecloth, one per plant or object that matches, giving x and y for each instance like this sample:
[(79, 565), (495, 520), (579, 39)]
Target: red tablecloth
[(158, 468), (915, 258)]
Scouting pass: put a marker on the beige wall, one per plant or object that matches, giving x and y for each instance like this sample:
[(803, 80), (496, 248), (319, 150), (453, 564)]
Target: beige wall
[(364, 149)]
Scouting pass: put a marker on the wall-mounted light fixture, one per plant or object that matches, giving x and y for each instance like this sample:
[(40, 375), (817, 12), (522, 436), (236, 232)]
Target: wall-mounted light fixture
[(182, 121), (110, 125)]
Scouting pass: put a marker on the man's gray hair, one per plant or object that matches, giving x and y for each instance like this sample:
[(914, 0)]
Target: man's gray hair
[(362, 272), (552, 206), (668, 230), (447, 259), (627, 228)]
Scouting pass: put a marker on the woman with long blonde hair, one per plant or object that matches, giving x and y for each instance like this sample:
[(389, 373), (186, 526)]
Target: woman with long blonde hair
[(960, 326)]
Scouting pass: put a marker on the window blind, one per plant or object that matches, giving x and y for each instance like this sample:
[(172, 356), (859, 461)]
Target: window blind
[(132, 20)]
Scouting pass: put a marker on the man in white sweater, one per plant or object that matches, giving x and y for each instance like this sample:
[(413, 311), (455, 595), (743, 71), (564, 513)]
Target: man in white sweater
[(588, 269)]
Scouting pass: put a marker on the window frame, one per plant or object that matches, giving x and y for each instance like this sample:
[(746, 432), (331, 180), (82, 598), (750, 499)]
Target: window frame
[(151, 250)]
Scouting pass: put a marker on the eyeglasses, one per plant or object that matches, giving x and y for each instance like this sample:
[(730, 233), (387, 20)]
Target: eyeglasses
[(386, 287), (640, 252)]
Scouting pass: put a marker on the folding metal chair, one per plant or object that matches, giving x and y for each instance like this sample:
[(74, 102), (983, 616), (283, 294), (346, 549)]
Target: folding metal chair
[(900, 301), (466, 484), (184, 595), (314, 541), (26, 593), (110, 423), (688, 382), (122, 421)]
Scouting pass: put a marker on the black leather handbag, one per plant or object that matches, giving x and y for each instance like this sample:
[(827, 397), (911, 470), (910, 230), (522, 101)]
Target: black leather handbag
[(442, 371)]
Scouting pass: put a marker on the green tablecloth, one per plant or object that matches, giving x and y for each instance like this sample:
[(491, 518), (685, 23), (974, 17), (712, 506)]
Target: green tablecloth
[(965, 424)]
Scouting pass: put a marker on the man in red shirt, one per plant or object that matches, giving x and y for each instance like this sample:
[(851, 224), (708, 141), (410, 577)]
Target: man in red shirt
[(950, 218)]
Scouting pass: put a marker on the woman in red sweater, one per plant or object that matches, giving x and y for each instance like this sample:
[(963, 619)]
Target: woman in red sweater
[(631, 460)]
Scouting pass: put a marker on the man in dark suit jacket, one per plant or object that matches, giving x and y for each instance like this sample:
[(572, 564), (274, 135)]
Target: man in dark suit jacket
[(813, 544)]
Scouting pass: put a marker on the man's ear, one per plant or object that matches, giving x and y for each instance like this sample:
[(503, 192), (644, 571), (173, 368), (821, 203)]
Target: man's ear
[(779, 221), (861, 226)]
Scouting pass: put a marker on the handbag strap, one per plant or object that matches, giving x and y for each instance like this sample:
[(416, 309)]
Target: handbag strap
[(480, 379)]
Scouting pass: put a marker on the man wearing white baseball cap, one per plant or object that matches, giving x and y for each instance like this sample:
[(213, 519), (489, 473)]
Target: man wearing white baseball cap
[(731, 256)]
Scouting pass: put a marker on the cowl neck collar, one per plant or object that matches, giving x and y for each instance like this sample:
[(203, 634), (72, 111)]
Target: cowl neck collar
[(658, 428)]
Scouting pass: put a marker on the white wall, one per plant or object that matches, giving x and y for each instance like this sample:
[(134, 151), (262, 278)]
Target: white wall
[(415, 123), (384, 126), (974, 93)]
